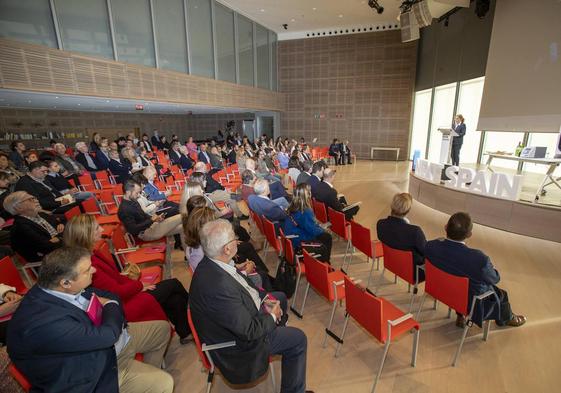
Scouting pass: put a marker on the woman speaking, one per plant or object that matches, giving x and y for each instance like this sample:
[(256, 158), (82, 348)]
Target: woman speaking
[(460, 128)]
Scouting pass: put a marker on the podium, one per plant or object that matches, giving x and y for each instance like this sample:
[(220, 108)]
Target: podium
[(447, 135)]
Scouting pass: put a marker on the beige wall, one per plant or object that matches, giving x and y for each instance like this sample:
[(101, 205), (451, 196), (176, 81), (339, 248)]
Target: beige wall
[(358, 87)]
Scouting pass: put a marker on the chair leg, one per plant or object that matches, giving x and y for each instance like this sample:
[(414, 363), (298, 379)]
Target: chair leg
[(347, 248), (347, 316), (395, 278), (378, 263), (304, 301), (209, 380), (486, 330), (420, 306), (273, 377), (449, 313), (386, 348), (411, 301), (415, 348), (296, 289), (370, 275), (408, 288), (379, 282), (457, 356), (328, 329)]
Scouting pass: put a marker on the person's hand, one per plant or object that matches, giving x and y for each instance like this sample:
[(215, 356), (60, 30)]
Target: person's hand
[(157, 217), (60, 228), (249, 266), (103, 300), (11, 296), (148, 287), (160, 202), (74, 190), (9, 307), (54, 240), (276, 310)]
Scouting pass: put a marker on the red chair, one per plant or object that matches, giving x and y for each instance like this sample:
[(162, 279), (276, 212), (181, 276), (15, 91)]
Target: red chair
[(19, 377), (204, 351), (108, 202), (454, 292), (10, 275), (319, 211), (29, 269), (75, 211), (340, 227), (400, 263), (137, 255), (362, 241), (380, 318), (259, 225), (271, 236), (328, 283)]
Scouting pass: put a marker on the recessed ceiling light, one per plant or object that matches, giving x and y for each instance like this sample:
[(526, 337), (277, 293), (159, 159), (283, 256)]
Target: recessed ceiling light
[(56, 97), (262, 10), (340, 15), (107, 101), (79, 104), (314, 8), (293, 20), (29, 101)]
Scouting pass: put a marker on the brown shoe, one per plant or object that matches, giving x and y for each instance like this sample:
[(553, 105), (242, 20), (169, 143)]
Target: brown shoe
[(460, 321), (516, 320)]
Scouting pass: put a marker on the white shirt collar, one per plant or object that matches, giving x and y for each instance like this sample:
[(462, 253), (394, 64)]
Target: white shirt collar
[(456, 241), (328, 183)]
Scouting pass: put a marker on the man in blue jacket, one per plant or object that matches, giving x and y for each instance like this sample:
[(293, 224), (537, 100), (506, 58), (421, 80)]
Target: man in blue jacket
[(262, 205), (454, 257), (54, 343)]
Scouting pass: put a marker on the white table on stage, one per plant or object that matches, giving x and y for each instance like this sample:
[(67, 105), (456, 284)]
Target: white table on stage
[(549, 179)]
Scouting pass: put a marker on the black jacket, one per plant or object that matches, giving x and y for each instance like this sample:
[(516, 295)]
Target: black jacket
[(45, 196), (31, 240), (81, 158), (211, 184), (58, 182), (222, 310), (121, 170), (133, 217), (328, 195)]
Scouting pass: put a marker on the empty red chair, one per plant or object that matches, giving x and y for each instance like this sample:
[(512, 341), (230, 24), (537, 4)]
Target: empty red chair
[(29, 269), (75, 211), (453, 291), (328, 283), (19, 377), (380, 318), (319, 211), (400, 263), (204, 350), (362, 241), (259, 225), (137, 255), (86, 180), (108, 202), (9, 275), (340, 227)]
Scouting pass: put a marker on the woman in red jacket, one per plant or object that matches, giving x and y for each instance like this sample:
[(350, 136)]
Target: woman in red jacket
[(167, 299)]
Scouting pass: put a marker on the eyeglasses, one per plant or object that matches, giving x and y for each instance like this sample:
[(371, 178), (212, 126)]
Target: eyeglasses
[(230, 241), (32, 198)]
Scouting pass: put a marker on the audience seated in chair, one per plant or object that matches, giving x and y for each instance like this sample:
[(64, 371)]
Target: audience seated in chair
[(85, 158), (62, 185), (55, 344), (397, 232), (70, 165), (454, 257), (141, 302), (316, 177), (326, 193), (138, 223), (225, 306), (305, 174), (34, 233), (262, 205), (119, 168)]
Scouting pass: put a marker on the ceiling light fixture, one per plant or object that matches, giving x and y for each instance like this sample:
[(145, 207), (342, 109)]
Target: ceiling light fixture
[(374, 5)]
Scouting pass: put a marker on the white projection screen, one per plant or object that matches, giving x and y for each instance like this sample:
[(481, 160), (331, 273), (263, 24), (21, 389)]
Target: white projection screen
[(523, 77)]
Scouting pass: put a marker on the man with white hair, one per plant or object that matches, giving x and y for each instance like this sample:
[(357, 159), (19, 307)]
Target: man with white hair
[(276, 187), (70, 165), (225, 306), (85, 158), (262, 205)]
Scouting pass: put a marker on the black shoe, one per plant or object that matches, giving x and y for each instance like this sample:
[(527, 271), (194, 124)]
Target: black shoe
[(243, 217)]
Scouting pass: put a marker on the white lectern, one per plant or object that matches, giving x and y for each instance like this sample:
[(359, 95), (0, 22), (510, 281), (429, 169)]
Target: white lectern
[(447, 135)]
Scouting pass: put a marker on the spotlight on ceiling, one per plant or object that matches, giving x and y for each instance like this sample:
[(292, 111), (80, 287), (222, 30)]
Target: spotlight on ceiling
[(374, 5)]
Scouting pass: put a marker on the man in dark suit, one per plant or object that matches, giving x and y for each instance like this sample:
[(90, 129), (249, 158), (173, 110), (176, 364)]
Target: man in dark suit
[(119, 168), (34, 233), (174, 154), (102, 155), (335, 151), (225, 306), (459, 128), (345, 152), (305, 173), (203, 155), (156, 141), (396, 231), (34, 183), (54, 343), (144, 142), (327, 194), (317, 174), (454, 257), (84, 157)]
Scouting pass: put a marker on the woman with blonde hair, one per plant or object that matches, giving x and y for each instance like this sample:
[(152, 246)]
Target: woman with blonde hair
[(141, 302), (302, 223), (191, 189), (130, 155)]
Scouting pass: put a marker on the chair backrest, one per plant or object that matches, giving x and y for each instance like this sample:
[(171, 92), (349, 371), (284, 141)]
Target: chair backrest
[(106, 196), (90, 206), (118, 238), (366, 309), (399, 262), (86, 179), (288, 248), (360, 237), (317, 276), (338, 223), (319, 210), (197, 341), (19, 377), (75, 211), (10, 275), (447, 288), (271, 235), (257, 220)]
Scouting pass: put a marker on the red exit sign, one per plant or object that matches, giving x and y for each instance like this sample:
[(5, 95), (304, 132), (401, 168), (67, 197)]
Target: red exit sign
[(139, 107)]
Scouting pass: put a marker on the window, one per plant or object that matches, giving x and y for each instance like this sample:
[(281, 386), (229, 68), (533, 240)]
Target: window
[(501, 141), (442, 116), (420, 127), (545, 139), (245, 50), (200, 38), (469, 102), (225, 50), (169, 23), (84, 27), (263, 76), (133, 31), (273, 41), (29, 21)]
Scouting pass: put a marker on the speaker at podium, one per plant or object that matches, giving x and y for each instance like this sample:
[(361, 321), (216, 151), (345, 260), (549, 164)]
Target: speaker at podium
[(447, 135)]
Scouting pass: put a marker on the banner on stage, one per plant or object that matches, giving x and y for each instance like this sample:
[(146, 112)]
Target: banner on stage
[(496, 185)]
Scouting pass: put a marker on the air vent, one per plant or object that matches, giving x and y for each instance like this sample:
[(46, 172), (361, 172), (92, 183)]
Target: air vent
[(339, 31)]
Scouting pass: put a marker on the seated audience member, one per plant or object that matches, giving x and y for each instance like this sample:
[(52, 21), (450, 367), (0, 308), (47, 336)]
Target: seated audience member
[(294, 168), (283, 157), (145, 142), (141, 302), (9, 302), (277, 189), (305, 174), (317, 175), (61, 184), (262, 205), (121, 170), (29, 157), (248, 180), (302, 223), (345, 153), (165, 145), (36, 184), (215, 158), (306, 153), (225, 306), (9, 167), (191, 189), (102, 155), (185, 162), (335, 151), (327, 194), (174, 154), (6, 188), (16, 155), (150, 189), (131, 160), (396, 231), (203, 154), (143, 158), (156, 141), (85, 158), (138, 223), (56, 345), (191, 146), (153, 206), (69, 165), (34, 233), (454, 257), (232, 154)]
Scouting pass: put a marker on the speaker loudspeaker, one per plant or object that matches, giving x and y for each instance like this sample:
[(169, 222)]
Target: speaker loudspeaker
[(409, 27), (422, 13)]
